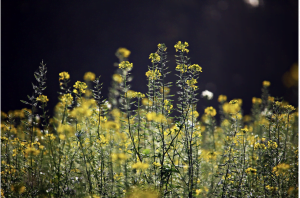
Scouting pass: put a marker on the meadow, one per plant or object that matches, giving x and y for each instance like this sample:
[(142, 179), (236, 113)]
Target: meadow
[(131, 144)]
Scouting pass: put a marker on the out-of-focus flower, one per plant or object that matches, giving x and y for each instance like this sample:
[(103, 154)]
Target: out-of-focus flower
[(124, 52), (207, 94), (89, 76)]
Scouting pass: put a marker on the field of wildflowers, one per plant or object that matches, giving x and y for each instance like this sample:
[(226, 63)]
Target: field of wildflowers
[(134, 144)]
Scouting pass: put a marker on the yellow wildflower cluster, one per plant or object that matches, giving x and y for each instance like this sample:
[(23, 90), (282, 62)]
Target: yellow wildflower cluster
[(79, 86), (156, 164), (181, 47), (84, 110), (117, 78), (140, 165), (232, 107), (155, 117), (210, 111), (266, 83), (153, 74), (64, 76), (42, 98), (256, 100), (154, 57), (245, 130), (168, 106), (65, 129), (89, 76), (222, 98), (50, 136), (272, 189), (272, 145), (290, 108), (251, 171), (133, 94), (66, 99), (191, 83), (281, 169), (195, 68), (119, 157), (259, 146), (182, 68), (147, 102), (124, 52), (126, 65), (31, 150), (166, 90)]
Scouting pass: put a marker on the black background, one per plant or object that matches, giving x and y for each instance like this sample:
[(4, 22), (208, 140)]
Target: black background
[(237, 45)]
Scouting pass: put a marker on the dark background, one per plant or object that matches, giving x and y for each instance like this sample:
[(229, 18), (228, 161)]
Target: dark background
[(237, 44)]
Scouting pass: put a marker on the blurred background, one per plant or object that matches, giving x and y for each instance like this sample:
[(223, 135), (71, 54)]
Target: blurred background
[(238, 43)]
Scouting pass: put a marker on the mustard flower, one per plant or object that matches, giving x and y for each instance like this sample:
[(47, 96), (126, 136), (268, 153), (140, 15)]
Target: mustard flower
[(210, 111), (256, 100), (191, 83), (140, 165), (66, 99), (251, 171), (164, 89), (162, 46), (124, 52), (80, 86), (147, 102), (244, 130), (154, 57), (289, 108), (182, 68), (168, 106), (140, 95), (259, 146), (281, 169), (89, 76), (181, 47), (272, 145), (119, 157), (125, 65), (118, 78), (130, 94), (64, 76), (222, 98), (42, 98), (153, 74), (195, 68), (266, 83)]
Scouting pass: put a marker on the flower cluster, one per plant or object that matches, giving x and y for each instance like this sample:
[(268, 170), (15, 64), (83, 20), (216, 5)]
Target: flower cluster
[(117, 78), (153, 74), (266, 83), (182, 68), (66, 99), (222, 98), (64, 76), (79, 86), (191, 83), (42, 98), (195, 68), (181, 47), (126, 65), (154, 57), (210, 111)]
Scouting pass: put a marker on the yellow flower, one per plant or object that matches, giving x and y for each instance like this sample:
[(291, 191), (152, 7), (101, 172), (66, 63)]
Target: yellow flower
[(181, 46), (271, 99), (281, 169), (119, 157), (130, 94), (153, 74), (222, 98), (31, 150), (126, 65), (182, 68), (198, 191), (156, 164), (256, 100), (195, 68), (191, 83), (124, 52), (154, 57), (147, 102), (42, 98), (272, 145), (80, 86), (266, 83), (66, 99), (139, 95), (210, 111), (164, 89), (150, 116), (140, 165), (259, 146), (64, 76), (89, 76), (168, 106), (118, 78), (251, 171), (245, 130)]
